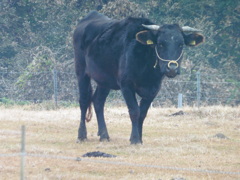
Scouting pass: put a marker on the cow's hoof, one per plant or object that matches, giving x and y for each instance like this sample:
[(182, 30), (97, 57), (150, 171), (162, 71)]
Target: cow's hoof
[(104, 139), (103, 135), (80, 140), (135, 141)]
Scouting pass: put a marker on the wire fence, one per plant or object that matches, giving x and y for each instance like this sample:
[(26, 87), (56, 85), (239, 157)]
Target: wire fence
[(23, 154), (61, 87)]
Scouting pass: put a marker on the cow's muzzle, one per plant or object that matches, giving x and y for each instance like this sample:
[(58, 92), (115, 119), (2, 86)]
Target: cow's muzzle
[(172, 69)]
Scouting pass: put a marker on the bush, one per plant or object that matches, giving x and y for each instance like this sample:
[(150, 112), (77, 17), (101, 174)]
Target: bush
[(120, 9)]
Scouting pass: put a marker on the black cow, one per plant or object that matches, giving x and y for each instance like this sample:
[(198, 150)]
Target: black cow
[(133, 55)]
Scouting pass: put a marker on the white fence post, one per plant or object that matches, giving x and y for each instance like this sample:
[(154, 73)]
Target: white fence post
[(180, 100)]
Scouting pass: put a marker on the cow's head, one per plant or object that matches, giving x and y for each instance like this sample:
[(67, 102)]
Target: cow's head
[(168, 42)]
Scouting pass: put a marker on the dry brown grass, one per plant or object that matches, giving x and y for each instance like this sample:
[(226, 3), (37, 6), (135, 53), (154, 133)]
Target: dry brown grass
[(182, 141)]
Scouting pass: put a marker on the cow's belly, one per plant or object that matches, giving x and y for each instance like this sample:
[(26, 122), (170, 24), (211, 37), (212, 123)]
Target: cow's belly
[(103, 77)]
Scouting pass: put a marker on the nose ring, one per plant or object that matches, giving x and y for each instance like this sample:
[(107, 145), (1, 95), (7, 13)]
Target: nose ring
[(172, 62)]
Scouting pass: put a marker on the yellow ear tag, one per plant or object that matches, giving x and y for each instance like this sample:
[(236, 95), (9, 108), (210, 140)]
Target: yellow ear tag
[(193, 43), (149, 42)]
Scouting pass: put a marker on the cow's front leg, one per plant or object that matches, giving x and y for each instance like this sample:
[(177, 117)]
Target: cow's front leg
[(144, 106), (134, 112)]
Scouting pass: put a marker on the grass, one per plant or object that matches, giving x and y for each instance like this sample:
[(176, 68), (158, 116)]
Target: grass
[(186, 141)]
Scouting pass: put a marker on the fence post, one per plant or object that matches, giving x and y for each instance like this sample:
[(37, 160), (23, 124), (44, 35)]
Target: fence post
[(23, 153), (198, 89), (55, 86), (180, 100)]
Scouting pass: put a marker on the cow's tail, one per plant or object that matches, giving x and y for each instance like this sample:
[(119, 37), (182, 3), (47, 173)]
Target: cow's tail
[(89, 110)]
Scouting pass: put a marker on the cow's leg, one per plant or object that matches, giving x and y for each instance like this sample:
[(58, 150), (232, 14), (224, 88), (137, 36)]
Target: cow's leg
[(99, 99), (134, 112), (85, 91), (144, 106)]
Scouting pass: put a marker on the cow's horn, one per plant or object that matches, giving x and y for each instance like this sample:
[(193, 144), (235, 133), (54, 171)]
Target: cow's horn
[(151, 27), (190, 29)]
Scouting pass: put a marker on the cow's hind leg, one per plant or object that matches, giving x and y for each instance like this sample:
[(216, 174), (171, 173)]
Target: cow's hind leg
[(85, 90), (99, 99)]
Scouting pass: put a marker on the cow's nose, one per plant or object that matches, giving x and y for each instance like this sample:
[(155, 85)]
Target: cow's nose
[(172, 69), (172, 65)]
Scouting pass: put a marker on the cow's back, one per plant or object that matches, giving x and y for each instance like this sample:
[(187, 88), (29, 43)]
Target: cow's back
[(89, 27)]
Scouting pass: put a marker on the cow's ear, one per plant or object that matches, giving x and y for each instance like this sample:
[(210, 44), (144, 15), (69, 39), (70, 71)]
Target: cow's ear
[(145, 37), (193, 39)]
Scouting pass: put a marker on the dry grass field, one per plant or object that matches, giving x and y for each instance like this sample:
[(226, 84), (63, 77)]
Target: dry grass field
[(174, 147)]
